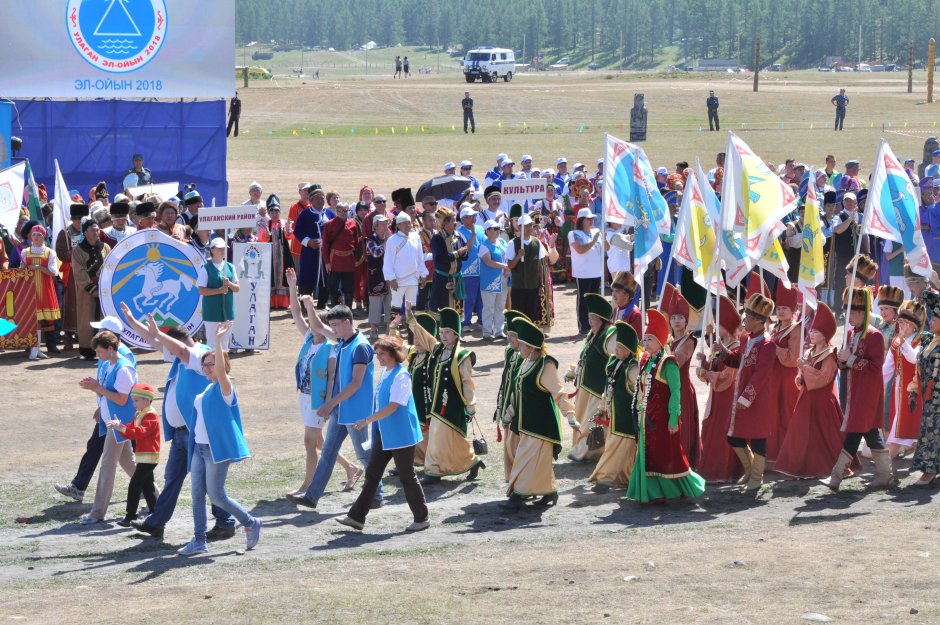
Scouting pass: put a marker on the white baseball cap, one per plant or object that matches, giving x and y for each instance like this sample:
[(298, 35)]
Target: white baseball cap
[(548, 171), (600, 161), (402, 217), (561, 159), (217, 242), (850, 196), (467, 211), (525, 220), (379, 219), (466, 164), (585, 213), (490, 224), (506, 161), (501, 156), (578, 165), (525, 157), (110, 322), (449, 165)]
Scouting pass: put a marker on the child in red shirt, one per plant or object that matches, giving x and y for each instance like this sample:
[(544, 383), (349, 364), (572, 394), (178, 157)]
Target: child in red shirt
[(145, 430)]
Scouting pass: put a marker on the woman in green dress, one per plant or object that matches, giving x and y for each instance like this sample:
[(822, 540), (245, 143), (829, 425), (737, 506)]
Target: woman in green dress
[(538, 401), (420, 366), (614, 468), (661, 470), (453, 405)]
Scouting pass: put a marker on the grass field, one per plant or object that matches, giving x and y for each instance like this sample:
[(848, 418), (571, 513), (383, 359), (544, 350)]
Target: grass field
[(347, 132), (728, 559)]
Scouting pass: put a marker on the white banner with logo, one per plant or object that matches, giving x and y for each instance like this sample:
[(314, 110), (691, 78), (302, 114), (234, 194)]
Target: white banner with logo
[(118, 49), (232, 217), (152, 274), (252, 328), (524, 190)]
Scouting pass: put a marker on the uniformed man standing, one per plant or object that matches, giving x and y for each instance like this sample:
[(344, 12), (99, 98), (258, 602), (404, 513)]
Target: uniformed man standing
[(144, 176), (467, 105), (234, 112), (711, 103), (840, 101)]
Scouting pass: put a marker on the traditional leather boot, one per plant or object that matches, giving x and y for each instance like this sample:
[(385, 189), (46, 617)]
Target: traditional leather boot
[(884, 477), (835, 479), (757, 472), (747, 458)]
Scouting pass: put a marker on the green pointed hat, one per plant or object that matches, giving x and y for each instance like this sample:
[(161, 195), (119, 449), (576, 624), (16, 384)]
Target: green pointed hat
[(528, 332), (450, 319), (626, 336), (510, 316), (599, 306), (427, 322)]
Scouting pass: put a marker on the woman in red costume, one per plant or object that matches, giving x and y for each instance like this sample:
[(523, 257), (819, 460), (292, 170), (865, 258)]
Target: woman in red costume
[(786, 336), (682, 349), (813, 439)]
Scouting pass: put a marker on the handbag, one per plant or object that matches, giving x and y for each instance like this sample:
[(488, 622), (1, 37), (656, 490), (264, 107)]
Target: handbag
[(595, 437), (480, 446)]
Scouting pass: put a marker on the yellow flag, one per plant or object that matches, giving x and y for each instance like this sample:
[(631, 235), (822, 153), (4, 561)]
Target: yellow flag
[(812, 268)]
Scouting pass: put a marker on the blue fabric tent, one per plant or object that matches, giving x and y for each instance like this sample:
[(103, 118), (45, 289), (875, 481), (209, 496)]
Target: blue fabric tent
[(95, 139)]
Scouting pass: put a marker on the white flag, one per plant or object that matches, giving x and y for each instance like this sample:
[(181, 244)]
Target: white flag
[(60, 214)]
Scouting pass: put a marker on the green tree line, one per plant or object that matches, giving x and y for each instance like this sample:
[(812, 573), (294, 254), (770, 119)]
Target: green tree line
[(635, 32)]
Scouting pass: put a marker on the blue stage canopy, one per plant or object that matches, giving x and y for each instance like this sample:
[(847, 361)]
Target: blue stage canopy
[(95, 139)]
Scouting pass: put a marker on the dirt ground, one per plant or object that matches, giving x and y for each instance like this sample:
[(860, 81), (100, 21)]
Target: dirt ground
[(857, 557)]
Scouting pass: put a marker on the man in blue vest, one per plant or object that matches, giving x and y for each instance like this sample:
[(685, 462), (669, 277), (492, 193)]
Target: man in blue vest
[(95, 445), (184, 381), (349, 400)]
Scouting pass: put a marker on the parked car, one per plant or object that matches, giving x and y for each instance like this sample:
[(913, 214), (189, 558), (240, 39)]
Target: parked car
[(594, 67)]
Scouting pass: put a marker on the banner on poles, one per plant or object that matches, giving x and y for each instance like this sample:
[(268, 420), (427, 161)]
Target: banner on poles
[(222, 217), (252, 328), (18, 305), (524, 190), (118, 49), (152, 273)]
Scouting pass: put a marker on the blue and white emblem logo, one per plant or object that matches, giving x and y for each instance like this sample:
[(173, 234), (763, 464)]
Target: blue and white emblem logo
[(117, 36), (154, 274)]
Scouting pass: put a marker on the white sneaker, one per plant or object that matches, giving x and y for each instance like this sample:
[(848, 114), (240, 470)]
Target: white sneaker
[(418, 526), (41, 354), (89, 520), (192, 548), (69, 490)]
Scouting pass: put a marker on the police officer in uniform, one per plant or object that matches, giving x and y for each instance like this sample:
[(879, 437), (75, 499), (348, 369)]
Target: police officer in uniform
[(711, 103)]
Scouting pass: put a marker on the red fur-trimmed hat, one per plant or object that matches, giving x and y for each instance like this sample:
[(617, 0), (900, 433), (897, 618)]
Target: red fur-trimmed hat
[(657, 325)]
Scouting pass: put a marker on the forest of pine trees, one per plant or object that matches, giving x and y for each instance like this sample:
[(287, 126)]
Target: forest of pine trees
[(801, 33)]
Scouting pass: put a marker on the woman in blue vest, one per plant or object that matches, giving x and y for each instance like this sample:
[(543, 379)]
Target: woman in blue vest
[(116, 377), (310, 373), (395, 433), (217, 284), (217, 442)]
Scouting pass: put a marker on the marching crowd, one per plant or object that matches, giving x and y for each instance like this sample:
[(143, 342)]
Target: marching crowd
[(782, 395)]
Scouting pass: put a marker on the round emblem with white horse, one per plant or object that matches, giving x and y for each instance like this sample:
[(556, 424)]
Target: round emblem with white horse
[(152, 273)]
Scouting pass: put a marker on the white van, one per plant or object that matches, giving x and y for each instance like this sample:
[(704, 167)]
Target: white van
[(489, 64)]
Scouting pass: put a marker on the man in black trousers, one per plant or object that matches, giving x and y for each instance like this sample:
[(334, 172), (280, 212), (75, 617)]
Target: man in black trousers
[(234, 112), (712, 104), (467, 104)]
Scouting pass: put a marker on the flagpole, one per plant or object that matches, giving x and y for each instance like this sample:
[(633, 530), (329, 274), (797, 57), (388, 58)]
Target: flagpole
[(603, 218), (851, 285), (642, 308), (802, 329)]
